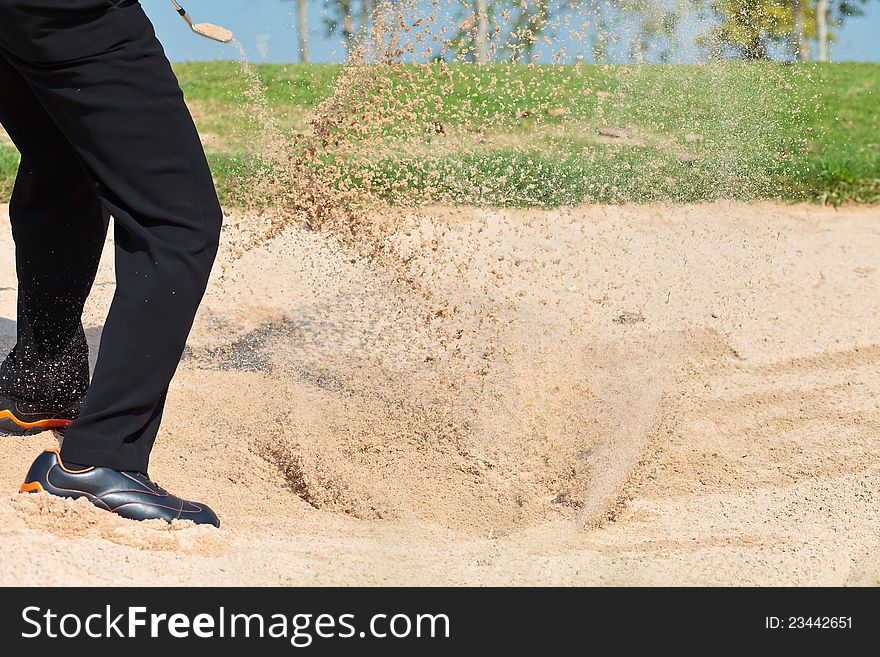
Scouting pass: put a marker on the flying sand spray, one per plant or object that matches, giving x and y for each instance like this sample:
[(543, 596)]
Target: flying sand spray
[(207, 30)]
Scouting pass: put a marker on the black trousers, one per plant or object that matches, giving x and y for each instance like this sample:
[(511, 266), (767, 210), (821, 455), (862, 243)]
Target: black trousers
[(89, 98)]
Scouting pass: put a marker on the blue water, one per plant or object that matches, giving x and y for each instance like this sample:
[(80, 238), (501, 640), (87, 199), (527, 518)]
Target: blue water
[(267, 30)]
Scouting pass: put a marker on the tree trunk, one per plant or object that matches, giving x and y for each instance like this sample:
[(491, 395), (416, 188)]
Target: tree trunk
[(366, 15), (347, 21), (481, 40), (757, 49), (799, 36), (303, 29), (822, 29)]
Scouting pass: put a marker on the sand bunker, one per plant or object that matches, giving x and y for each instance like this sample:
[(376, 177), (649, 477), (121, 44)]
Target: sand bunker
[(667, 395)]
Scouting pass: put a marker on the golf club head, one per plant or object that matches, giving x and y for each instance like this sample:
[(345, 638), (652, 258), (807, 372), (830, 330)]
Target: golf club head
[(213, 32)]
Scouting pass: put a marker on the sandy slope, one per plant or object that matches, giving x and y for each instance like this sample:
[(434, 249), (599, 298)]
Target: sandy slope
[(706, 377)]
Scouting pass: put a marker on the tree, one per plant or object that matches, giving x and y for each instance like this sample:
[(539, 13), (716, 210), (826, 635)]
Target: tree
[(302, 30), (366, 13), (751, 27), (822, 29), (657, 27), (470, 41), (341, 20), (302, 23), (653, 26), (481, 39), (348, 18), (799, 35), (530, 25), (347, 10)]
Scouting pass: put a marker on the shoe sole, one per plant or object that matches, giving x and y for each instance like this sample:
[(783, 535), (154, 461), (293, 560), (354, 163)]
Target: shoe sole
[(33, 487), (12, 426)]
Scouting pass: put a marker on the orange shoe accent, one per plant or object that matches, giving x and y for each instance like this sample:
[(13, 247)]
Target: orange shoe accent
[(34, 487), (57, 452), (42, 424)]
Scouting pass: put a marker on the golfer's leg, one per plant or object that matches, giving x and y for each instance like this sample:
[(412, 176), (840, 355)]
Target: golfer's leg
[(59, 228), (120, 106)]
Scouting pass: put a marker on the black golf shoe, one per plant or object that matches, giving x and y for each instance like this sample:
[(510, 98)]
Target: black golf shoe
[(128, 494), (19, 418)]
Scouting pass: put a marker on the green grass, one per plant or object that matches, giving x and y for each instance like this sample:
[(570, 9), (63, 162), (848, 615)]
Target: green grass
[(528, 136), (8, 169)]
